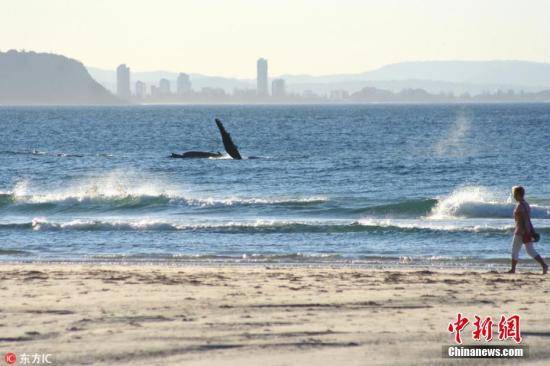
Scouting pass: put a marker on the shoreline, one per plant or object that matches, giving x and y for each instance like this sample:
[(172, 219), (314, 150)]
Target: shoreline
[(499, 264), (249, 315)]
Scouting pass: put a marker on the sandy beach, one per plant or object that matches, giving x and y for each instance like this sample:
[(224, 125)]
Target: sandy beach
[(257, 315)]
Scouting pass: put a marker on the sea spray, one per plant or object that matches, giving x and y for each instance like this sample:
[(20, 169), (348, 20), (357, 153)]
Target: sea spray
[(452, 144), (480, 202), (117, 190)]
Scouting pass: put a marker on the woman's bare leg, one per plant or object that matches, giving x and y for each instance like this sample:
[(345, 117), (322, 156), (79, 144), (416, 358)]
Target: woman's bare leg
[(514, 263), (539, 259), (517, 243), (530, 248)]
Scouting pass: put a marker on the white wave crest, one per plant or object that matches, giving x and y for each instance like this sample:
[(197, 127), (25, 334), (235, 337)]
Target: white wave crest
[(117, 185), (454, 225), (43, 224), (40, 224), (479, 202)]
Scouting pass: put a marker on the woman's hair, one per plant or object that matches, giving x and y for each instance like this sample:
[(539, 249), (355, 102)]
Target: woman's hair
[(518, 190)]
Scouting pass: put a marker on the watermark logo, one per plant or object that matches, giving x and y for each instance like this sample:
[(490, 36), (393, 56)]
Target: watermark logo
[(508, 328), (483, 329), (28, 358), (10, 358)]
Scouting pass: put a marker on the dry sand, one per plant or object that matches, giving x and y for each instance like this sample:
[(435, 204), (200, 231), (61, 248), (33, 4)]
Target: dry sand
[(258, 315)]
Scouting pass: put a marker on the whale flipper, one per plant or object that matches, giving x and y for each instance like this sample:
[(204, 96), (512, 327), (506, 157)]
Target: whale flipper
[(230, 147)]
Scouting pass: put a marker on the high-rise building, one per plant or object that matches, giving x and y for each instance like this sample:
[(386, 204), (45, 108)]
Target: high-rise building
[(183, 84), (123, 81), (278, 88), (154, 91), (141, 89), (261, 78), (164, 87)]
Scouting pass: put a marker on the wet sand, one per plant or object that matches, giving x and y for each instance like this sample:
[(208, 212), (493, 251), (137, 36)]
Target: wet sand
[(258, 315)]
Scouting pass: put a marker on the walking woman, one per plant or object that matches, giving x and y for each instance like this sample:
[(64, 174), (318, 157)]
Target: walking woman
[(523, 234)]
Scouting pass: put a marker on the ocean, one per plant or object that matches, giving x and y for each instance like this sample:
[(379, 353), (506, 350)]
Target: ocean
[(347, 184)]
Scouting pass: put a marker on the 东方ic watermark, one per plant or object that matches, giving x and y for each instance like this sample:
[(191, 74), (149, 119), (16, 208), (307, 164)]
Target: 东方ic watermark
[(28, 358)]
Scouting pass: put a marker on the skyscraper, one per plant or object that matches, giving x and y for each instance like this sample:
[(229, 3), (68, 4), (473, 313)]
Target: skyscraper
[(261, 78), (278, 88), (183, 84), (164, 87), (141, 89), (123, 81)]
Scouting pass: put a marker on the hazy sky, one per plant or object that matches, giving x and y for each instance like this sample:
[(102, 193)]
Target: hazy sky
[(225, 37)]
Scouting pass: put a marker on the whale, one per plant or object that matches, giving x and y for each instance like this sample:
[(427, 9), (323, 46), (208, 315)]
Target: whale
[(196, 155), (230, 147)]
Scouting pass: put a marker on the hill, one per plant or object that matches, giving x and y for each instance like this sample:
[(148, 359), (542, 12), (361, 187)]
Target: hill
[(438, 76), (30, 78), (477, 72)]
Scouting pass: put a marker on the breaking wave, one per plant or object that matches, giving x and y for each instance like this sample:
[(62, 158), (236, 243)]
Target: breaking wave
[(132, 201), (118, 192), (377, 226), (480, 202)]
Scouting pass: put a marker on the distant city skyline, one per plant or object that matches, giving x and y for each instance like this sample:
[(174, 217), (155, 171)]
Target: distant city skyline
[(500, 80), (162, 89), (224, 38)]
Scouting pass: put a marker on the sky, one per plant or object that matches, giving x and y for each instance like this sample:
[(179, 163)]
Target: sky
[(226, 37)]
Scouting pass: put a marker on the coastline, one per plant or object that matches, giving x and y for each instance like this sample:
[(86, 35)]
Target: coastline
[(267, 314), (283, 261)]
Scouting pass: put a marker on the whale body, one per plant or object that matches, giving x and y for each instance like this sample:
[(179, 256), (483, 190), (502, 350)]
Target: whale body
[(196, 155)]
